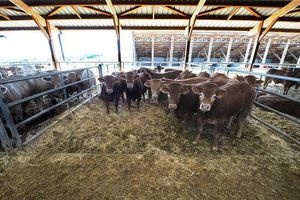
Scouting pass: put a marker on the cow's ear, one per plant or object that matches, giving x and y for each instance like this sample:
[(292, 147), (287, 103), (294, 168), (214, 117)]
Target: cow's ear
[(101, 79), (196, 89), (259, 82), (164, 89), (147, 84), (3, 89), (122, 76), (221, 93), (185, 90)]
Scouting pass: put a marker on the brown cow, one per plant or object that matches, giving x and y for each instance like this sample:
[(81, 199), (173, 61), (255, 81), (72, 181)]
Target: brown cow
[(155, 84), (280, 104), (111, 90), (250, 79), (204, 74), (170, 74), (220, 77), (186, 74), (220, 103), (281, 72)]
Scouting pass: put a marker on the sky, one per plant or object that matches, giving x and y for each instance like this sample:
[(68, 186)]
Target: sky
[(33, 45)]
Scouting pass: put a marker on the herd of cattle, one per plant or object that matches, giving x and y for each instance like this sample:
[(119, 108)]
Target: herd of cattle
[(206, 99), (14, 91), (216, 99)]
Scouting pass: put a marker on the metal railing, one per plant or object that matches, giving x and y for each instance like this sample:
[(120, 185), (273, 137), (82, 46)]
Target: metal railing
[(9, 141)]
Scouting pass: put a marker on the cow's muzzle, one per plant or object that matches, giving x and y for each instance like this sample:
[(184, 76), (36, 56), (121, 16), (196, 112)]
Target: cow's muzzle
[(109, 91), (129, 85), (172, 106), (205, 107)]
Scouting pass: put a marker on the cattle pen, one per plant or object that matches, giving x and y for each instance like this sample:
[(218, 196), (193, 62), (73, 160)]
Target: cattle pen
[(139, 119)]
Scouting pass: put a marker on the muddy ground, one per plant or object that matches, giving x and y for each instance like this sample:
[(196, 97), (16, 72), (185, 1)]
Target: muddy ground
[(150, 155)]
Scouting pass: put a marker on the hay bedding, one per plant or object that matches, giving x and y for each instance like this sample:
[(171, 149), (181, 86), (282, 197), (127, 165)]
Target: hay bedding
[(148, 155)]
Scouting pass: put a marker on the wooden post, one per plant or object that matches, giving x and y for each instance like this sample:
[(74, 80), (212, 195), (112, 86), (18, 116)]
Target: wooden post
[(51, 45), (61, 46), (266, 51), (152, 51)]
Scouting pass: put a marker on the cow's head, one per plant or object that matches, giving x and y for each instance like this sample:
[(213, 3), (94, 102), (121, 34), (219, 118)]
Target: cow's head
[(208, 93), (155, 85), (108, 82), (204, 74), (174, 91), (250, 79), (129, 77)]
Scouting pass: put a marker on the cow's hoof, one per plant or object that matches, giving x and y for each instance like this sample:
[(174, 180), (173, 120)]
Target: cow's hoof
[(214, 149)]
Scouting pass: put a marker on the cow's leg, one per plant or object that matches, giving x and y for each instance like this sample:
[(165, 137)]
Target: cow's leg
[(117, 103), (138, 104), (129, 104), (144, 97), (200, 130), (228, 125), (216, 135), (240, 129), (107, 107), (149, 94)]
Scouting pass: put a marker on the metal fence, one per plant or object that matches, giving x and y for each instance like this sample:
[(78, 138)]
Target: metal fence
[(9, 134), (9, 141)]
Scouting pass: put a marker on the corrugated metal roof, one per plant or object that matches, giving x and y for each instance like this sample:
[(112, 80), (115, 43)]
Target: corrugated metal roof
[(155, 22), (84, 22), (20, 23)]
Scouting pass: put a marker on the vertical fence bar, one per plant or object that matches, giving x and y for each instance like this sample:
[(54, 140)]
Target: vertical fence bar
[(10, 122), (65, 89), (5, 141), (100, 70)]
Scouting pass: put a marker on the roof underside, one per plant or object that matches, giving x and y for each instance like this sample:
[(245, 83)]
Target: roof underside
[(149, 14)]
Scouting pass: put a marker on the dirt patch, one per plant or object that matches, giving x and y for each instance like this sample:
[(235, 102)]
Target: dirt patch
[(148, 155)]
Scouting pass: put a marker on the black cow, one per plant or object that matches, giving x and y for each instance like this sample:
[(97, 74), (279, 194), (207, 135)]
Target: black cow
[(111, 90)]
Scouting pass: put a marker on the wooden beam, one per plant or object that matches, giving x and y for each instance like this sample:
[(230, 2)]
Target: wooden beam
[(210, 11), (233, 12), (42, 28), (4, 16), (55, 11), (152, 51), (256, 44), (51, 45), (117, 29), (75, 9), (127, 12), (294, 11), (20, 4), (175, 11), (263, 4), (253, 12), (96, 10), (14, 10), (270, 21)]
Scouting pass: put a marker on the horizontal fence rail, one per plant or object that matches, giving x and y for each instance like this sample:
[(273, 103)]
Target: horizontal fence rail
[(7, 142)]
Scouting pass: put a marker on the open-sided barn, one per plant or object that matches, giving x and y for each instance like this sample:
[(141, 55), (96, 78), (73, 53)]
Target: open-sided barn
[(207, 106)]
